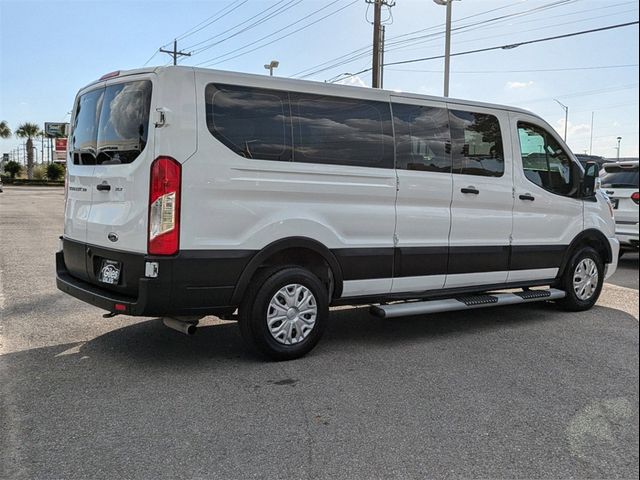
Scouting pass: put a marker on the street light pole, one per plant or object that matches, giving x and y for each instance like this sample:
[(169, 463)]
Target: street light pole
[(270, 66), (447, 44), (618, 149), (591, 137), (566, 117)]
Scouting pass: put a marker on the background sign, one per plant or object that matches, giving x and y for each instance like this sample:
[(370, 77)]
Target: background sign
[(60, 150), (56, 129)]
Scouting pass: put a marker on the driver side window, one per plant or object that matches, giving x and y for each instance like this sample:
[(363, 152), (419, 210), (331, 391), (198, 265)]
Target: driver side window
[(544, 161)]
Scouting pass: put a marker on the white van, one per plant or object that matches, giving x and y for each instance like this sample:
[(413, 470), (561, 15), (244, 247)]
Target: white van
[(195, 192)]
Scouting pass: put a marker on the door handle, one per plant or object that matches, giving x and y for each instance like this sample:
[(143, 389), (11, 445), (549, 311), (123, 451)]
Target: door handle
[(527, 196), (104, 187), (470, 189)]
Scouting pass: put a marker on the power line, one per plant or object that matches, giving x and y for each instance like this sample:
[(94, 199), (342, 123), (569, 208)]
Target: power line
[(219, 15), (271, 34), (507, 46), (212, 61), (601, 67), (151, 58), (261, 12), (354, 55), (545, 27), (287, 6)]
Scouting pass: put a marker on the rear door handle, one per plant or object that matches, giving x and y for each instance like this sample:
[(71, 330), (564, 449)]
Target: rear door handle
[(527, 196), (470, 189), (104, 187)]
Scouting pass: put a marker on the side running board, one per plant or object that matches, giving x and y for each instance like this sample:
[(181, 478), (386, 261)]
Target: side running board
[(465, 303)]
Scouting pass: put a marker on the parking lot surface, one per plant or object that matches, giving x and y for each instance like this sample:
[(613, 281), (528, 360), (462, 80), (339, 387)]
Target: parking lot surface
[(513, 392)]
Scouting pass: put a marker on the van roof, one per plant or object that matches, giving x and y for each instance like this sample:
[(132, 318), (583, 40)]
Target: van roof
[(302, 85)]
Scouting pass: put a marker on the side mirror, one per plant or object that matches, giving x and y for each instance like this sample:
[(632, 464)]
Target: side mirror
[(588, 188)]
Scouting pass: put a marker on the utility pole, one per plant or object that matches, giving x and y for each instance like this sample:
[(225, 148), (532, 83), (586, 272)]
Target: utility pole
[(382, 58), (591, 138), (175, 53), (376, 73)]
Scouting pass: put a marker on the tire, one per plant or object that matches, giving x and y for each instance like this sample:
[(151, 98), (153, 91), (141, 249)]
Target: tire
[(579, 281), (278, 297)]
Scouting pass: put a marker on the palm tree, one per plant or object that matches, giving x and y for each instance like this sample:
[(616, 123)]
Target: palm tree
[(29, 131), (5, 131)]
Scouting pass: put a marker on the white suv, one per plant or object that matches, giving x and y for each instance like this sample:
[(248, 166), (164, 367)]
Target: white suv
[(620, 183)]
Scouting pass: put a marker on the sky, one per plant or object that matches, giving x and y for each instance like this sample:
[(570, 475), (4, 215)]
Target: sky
[(50, 49)]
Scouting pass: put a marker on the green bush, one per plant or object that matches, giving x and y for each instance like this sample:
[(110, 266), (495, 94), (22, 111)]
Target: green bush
[(40, 172), (55, 171), (13, 168)]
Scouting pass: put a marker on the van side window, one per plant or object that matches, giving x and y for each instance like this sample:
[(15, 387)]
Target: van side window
[(422, 138), (341, 131), (544, 161), (252, 122), (476, 144)]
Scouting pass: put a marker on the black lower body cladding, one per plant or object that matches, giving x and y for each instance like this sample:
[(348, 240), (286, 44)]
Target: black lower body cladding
[(189, 283)]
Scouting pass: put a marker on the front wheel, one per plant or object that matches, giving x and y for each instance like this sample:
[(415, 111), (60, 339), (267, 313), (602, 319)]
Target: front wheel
[(284, 313), (582, 280)]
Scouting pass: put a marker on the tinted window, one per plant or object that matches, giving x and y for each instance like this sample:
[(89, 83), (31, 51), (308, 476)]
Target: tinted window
[(112, 124), (476, 144), (252, 122), (422, 138), (545, 163), (85, 127), (334, 130), (615, 177)]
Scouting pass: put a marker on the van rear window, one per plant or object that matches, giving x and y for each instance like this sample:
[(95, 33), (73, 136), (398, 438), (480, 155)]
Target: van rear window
[(111, 124)]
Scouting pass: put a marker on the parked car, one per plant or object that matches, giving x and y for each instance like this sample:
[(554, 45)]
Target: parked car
[(583, 158), (620, 182), (193, 192)]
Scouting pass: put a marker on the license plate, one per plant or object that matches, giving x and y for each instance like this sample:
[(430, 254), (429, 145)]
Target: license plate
[(614, 202), (109, 272)]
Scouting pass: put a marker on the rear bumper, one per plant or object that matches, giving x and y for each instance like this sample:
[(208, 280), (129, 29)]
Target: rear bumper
[(628, 236), (146, 303), (187, 285)]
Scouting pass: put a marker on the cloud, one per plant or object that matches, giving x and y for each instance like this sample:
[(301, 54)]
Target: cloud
[(573, 129), (519, 84), (354, 81)]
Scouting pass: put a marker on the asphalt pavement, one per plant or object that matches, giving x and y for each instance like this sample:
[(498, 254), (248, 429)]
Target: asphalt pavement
[(512, 392)]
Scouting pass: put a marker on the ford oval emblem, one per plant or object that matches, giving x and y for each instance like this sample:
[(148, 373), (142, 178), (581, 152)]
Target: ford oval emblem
[(113, 237)]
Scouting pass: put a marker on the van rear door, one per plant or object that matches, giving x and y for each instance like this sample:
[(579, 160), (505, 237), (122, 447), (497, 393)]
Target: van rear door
[(111, 151)]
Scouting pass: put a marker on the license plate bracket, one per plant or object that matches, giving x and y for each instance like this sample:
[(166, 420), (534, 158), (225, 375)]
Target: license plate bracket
[(109, 272)]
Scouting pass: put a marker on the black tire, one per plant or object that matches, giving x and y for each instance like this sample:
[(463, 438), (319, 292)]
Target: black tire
[(255, 304), (572, 302)]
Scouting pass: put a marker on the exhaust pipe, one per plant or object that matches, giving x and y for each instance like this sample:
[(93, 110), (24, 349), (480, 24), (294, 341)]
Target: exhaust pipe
[(188, 328)]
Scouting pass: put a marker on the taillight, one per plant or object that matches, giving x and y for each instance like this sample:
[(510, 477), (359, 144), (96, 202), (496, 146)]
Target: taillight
[(164, 207), (635, 196)]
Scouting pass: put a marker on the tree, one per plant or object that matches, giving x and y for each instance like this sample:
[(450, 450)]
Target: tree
[(5, 131), (13, 168), (54, 171), (29, 131)]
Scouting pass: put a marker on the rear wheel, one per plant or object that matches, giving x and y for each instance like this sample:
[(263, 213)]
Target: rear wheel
[(582, 280), (284, 313)]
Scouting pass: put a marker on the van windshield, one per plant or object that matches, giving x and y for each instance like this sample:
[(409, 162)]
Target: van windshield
[(111, 124)]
